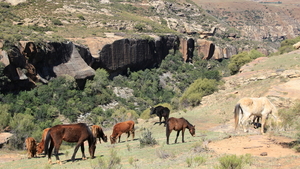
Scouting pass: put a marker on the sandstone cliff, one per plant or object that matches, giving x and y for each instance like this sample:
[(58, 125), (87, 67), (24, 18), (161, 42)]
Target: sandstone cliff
[(27, 63)]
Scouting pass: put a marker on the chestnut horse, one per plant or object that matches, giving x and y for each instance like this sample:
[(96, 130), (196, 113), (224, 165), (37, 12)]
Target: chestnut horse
[(178, 124), (30, 144), (72, 133), (41, 145), (120, 128), (160, 111), (260, 107), (98, 133)]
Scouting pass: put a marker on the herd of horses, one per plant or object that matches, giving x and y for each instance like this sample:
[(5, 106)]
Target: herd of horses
[(79, 133)]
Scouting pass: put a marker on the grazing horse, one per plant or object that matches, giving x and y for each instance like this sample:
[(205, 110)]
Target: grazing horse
[(160, 111), (30, 144), (260, 107), (120, 128), (41, 145), (72, 133), (178, 124), (98, 133)]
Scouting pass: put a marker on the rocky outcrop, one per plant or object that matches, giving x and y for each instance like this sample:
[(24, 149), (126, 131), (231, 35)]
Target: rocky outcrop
[(134, 54), (208, 50), (187, 47), (29, 63)]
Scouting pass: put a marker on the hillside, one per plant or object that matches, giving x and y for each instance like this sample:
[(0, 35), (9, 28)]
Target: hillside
[(276, 78)]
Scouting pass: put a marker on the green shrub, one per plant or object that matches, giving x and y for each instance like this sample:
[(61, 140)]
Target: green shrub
[(56, 21), (234, 161), (81, 17), (194, 93), (237, 61), (113, 161), (147, 139), (199, 160)]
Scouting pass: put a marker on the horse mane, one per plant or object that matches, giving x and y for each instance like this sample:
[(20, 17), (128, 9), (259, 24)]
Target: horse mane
[(189, 124)]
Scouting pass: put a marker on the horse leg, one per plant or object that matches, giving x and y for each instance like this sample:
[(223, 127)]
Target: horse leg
[(263, 123), (177, 136), (183, 135), (132, 132), (50, 152), (165, 117), (56, 148), (128, 135), (168, 132), (82, 151), (79, 143), (119, 137), (160, 119), (244, 121)]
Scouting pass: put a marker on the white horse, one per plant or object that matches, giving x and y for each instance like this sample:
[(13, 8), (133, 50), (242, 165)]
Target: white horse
[(259, 107)]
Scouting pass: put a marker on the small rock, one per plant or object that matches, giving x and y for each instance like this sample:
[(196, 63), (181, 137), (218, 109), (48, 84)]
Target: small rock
[(263, 154)]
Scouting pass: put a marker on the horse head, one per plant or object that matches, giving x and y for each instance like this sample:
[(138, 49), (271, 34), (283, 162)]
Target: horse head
[(40, 148), (152, 110), (112, 139), (192, 130), (104, 138)]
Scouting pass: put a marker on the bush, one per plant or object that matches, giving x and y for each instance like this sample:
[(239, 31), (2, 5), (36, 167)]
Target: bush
[(194, 93), (147, 139), (234, 161), (237, 61), (112, 162)]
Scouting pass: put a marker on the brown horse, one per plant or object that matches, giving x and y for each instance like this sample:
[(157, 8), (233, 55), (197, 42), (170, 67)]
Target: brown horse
[(98, 133), (30, 144), (178, 124), (70, 133), (120, 128), (160, 111), (41, 145)]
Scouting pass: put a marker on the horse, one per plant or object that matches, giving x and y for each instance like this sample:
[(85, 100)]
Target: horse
[(30, 144), (178, 124), (72, 133), (40, 147), (160, 111), (98, 133), (120, 128), (260, 107)]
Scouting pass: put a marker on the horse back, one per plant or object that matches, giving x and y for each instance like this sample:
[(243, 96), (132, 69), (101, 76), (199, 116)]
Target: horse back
[(123, 127), (71, 132), (176, 123)]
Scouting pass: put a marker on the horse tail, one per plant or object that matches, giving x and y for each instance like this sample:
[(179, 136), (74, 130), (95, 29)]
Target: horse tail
[(167, 127), (47, 140), (236, 114)]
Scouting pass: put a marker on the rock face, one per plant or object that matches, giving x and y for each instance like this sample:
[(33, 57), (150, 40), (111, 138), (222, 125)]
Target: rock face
[(29, 64), (134, 54)]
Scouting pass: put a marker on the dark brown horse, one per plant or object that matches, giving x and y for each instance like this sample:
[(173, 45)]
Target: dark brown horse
[(120, 128), (160, 111), (98, 133), (178, 124), (70, 133)]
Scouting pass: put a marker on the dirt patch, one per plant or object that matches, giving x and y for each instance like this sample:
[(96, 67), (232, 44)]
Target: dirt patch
[(255, 145), (11, 157)]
